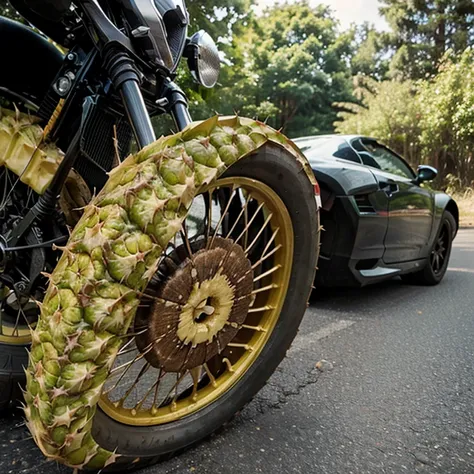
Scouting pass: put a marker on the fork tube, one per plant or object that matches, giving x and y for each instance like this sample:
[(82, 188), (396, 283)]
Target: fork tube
[(125, 79), (137, 113)]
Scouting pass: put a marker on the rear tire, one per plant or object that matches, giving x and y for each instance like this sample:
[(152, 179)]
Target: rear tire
[(17, 87), (438, 259), (12, 376)]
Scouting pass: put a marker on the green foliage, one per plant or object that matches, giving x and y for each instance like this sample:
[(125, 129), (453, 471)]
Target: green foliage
[(428, 121), (299, 64), (447, 121), (370, 51), (290, 65), (386, 110), (423, 30)]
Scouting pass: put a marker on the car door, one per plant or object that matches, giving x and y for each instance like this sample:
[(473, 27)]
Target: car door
[(410, 207)]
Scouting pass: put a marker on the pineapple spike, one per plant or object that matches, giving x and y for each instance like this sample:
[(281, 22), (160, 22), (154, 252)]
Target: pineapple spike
[(159, 181)]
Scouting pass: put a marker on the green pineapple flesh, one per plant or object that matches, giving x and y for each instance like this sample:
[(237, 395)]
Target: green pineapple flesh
[(111, 255)]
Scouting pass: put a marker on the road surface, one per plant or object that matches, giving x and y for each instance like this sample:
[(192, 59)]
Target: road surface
[(395, 395)]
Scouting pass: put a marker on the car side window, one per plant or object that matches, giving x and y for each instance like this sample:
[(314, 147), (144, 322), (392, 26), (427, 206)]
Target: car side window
[(327, 147), (376, 155)]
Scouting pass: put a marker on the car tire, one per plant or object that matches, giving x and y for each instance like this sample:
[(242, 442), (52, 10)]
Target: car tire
[(438, 259)]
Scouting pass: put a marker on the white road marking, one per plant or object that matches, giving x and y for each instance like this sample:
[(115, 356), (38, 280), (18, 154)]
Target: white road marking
[(464, 270), (305, 341)]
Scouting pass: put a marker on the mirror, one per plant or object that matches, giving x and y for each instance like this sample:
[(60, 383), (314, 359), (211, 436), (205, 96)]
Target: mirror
[(203, 59), (426, 173)]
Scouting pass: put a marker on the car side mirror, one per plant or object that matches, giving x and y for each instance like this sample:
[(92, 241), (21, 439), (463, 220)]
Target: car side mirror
[(425, 173)]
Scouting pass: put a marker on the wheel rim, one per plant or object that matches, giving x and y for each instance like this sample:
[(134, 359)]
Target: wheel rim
[(14, 329), (440, 250), (139, 390), (15, 324)]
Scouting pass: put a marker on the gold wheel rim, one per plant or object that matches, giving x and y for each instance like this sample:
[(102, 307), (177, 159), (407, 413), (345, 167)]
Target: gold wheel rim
[(22, 338), (17, 334), (270, 288)]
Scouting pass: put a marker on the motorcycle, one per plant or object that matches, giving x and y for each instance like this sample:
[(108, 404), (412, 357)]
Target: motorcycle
[(156, 283)]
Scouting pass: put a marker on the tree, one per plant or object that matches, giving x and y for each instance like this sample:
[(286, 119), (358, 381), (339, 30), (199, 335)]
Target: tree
[(300, 64), (385, 110), (447, 120), (423, 30), (370, 54)]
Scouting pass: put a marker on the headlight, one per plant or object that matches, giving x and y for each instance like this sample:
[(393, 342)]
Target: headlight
[(203, 59)]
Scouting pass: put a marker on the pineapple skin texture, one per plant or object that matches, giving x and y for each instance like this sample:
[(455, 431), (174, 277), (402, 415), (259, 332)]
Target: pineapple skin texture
[(24, 151), (112, 254)]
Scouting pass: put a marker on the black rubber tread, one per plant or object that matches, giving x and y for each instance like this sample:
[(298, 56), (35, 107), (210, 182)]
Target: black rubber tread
[(426, 276), (142, 446), (12, 376)]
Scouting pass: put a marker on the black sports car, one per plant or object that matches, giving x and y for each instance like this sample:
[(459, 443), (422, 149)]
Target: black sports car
[(378, 218)]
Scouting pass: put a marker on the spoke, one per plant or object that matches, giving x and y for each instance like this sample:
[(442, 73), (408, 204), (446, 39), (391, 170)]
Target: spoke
[(268, 272), (20, 313), (209, 217), (125, 349), (1, 316), (157, 388), (209, 374), (184, 236), (259, 262), (240, 346), (135, 359), (226, 210), (5, 199), (174, 388), (246, 203), (264, 288), (153, 387), (253, 328), (175, 397), (267, 220), (196, 375), (127, 367), (261, 308), (143, 371), (116, 384), (134, 334), (247, 226), (160, 300), (227, 362)]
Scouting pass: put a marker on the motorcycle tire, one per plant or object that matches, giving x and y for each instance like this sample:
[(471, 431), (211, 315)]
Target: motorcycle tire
[(275, 203), (18, 90), (152, 444)]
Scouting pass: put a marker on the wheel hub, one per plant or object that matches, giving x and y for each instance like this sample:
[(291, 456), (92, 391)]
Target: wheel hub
[(198, 310)]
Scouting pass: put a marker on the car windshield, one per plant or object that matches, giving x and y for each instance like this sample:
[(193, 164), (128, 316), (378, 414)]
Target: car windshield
[(318, 148), (378, 156)]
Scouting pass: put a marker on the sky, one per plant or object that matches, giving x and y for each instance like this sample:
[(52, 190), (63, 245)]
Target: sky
[(348, 11)]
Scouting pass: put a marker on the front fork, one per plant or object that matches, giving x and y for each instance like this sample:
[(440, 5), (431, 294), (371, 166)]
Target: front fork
[(125, 79)]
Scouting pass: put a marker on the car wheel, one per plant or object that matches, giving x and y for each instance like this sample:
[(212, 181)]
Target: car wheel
[(438, 259)]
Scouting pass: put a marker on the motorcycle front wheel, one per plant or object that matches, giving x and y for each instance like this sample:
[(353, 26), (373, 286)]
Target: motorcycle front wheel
[(165, 316), (262, 210)]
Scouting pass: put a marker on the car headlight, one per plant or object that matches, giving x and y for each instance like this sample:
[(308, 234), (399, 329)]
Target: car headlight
[(203, 59)]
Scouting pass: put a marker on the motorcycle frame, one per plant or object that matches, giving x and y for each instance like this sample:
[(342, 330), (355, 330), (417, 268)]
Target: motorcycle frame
[(119, 60)]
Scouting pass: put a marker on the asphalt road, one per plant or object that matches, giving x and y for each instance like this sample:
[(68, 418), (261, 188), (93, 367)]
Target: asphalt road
[(399, 397)]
